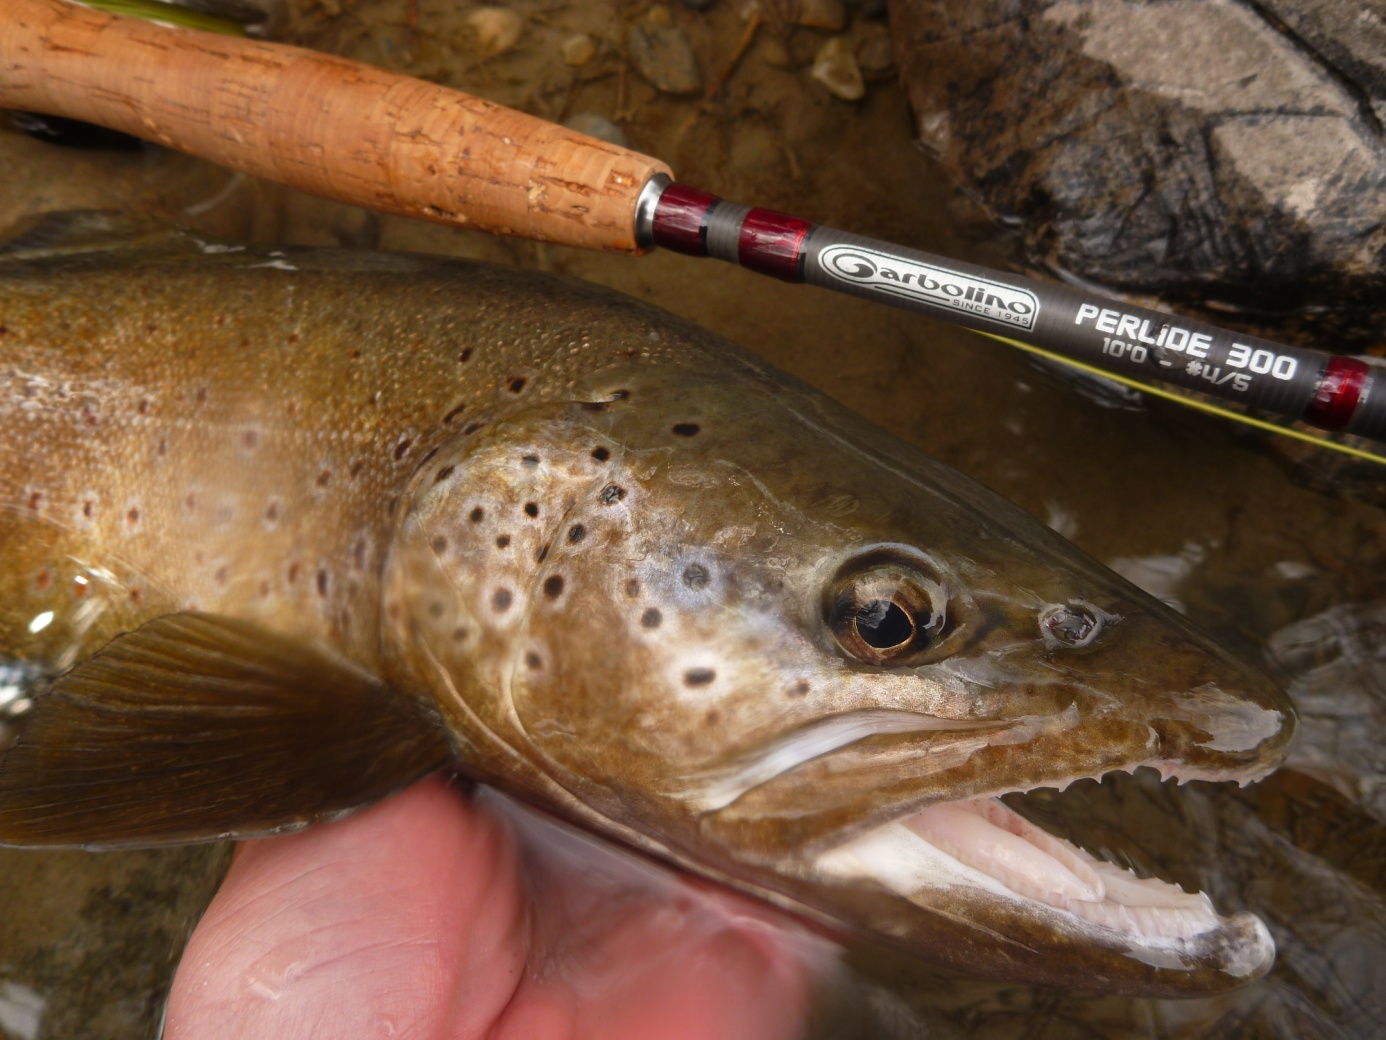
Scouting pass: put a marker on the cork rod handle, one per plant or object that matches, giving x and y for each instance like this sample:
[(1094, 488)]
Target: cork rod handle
[(325, 125)]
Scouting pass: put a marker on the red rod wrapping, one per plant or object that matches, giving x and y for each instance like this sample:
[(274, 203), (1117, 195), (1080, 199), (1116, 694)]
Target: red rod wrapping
[(772, 243), (680, 219), (1340, 390)]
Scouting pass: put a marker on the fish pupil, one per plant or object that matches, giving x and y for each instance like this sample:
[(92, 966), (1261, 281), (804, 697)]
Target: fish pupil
[(883, 624)]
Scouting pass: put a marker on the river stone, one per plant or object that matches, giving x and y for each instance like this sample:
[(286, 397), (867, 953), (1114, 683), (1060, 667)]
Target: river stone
[(664, 56), (1220, 151)]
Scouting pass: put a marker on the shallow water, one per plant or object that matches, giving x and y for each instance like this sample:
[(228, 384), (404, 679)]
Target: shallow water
[(1178, 502)]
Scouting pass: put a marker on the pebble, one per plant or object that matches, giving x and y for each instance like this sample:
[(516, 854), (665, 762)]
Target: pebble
[(578, 50), (494, 30), (875, 55), (835, 66), (822, 14), (664, 56), (593, 125)]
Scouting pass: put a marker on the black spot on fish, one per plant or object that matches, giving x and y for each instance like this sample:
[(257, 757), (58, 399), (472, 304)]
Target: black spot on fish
[(324, 478), (88, 508), (553, 586), (687, 429), (356, 467), (402, 448), (502, 541), (202, 395), (142, 407), (428, 455), (531, 509), (454, 413), (459, 633), (696, 576), (443, 474), (435, 609), (799, 688), (601, 454), (541, 554), (271, 512), (162, 447), (359, 555), (35, 501), (465, 356), (632, 587), (576, 533), (439, 544), (516, 384), (651, 618), (472, 428), (612, 493), (476, 514), (698, 676), (501, 600), (530, 460), (712, 717), (322, 581), (532, 660)]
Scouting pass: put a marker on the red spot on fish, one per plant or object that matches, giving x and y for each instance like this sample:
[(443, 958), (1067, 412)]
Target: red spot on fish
[(44, 580), (35, 501)]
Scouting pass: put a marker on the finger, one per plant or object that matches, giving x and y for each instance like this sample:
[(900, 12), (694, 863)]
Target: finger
[(404, 919)]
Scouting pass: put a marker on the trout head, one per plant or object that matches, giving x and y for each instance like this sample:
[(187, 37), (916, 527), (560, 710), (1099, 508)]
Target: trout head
[(722, 619)]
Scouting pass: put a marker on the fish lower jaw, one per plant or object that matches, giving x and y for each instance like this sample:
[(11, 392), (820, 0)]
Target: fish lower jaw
[(982, 845)]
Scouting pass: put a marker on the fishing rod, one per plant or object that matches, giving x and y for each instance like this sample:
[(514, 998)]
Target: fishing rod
[(361, 135)]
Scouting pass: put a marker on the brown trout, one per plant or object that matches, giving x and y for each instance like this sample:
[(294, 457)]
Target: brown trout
[(284, 530)]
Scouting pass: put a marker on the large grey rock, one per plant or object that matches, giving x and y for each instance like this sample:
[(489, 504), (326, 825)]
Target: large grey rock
[(1217, 150)]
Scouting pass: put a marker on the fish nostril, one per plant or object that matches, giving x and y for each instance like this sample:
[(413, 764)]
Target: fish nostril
[(1070, 625)]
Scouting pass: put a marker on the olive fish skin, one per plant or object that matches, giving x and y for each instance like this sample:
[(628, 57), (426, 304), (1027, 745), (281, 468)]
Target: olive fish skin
[(638, 577)]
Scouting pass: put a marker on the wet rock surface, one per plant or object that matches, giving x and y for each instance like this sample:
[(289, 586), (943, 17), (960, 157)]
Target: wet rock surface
[(1228, 152)]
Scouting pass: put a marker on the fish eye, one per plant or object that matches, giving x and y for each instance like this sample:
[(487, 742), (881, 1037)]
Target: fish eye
[(886, 612)]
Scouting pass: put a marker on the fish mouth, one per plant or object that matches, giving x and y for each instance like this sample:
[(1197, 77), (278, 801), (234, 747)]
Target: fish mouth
[(979, 860)]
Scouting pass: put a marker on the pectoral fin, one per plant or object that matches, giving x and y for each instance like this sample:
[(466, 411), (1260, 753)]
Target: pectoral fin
[(194, 727)]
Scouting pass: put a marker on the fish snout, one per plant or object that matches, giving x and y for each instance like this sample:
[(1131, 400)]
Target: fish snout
[(1211, 716)]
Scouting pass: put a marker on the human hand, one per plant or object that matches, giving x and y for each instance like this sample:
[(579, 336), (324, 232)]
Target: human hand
[(414, 919)]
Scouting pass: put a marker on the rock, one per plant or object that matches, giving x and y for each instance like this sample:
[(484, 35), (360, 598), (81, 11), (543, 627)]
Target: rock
[(578, 50), (494, 30), (1223, 151), (659, 16), (874, 50), (821, 14), (835, 67), (663, 55), (593, 125)]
